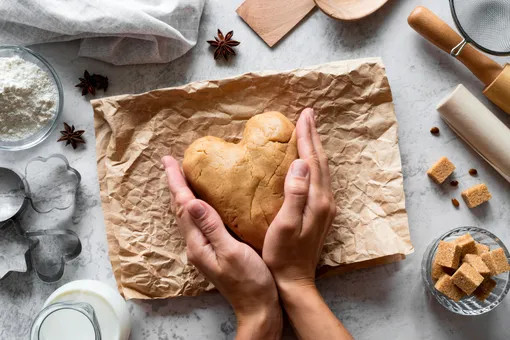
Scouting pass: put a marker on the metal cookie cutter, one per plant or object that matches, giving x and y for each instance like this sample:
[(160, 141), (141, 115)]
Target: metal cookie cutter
[(46, 251)]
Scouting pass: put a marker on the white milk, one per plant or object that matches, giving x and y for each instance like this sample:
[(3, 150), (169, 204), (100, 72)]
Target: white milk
[(77, 326), (109, 307)]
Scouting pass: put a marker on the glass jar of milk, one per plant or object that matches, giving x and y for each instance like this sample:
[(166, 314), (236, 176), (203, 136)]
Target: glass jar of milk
[(83, 310)]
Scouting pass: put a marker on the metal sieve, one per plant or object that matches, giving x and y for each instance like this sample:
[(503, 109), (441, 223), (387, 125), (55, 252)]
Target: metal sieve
[(483, 23)]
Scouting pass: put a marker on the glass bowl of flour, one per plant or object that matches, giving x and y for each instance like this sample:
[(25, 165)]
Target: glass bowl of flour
[(31, 98)]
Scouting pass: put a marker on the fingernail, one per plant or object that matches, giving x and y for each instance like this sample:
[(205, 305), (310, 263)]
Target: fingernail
[(196, 210), (299, 168), (165, 160), (312, 113)]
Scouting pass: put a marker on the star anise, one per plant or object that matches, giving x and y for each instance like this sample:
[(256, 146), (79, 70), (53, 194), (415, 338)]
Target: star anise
[(91, 83), (223, 45), (71, 136)]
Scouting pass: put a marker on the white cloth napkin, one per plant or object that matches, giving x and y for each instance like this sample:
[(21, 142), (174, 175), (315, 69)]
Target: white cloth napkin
[(116, 31)]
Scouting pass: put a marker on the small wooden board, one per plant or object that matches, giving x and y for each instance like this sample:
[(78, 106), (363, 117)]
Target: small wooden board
[(273, 19)]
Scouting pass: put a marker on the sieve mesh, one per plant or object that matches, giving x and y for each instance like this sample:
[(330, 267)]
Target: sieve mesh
[(484, 23)]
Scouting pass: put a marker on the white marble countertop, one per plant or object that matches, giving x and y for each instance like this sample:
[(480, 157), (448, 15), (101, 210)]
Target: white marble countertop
[(379, 303)]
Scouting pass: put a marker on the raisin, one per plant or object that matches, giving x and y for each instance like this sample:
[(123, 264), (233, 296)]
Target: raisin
[(434, 130)]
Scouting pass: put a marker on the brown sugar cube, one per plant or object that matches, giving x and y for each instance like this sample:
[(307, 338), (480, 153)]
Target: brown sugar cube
[(467, 278), (441, 170), (489, 261), (476, 195), (448, 254), (436, 271), (476, 262), (446, 286), (480, 249), (466, 243), (449, 271), (500, 261), (484, 290)]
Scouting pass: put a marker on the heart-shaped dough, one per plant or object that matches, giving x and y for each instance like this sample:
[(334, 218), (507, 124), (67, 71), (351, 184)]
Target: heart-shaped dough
[(244, 181)]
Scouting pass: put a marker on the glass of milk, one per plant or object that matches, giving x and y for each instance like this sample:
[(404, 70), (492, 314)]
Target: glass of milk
[(66, 320), (83, 310)]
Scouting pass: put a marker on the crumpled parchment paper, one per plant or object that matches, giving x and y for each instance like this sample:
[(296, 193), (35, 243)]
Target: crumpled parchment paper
[(358, 127)]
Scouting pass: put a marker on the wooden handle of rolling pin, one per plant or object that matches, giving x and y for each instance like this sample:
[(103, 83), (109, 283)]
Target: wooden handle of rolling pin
[(435, 30)]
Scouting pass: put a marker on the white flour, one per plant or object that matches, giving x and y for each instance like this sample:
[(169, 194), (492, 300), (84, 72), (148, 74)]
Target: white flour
[(28, 98)]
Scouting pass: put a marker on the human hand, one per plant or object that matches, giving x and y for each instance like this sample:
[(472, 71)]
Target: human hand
[(234, 268), (294, 240)]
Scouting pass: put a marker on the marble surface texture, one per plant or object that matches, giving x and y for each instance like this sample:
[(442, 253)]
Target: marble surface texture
[(387, 302)]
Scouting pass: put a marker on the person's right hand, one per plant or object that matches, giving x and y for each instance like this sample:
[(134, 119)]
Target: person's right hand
[(295, 238)]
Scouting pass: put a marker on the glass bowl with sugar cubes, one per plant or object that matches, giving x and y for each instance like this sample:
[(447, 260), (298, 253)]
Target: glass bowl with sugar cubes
[(467, 270)]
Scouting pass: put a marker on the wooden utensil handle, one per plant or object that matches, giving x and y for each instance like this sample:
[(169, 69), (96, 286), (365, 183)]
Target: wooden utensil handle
[(431, 27)]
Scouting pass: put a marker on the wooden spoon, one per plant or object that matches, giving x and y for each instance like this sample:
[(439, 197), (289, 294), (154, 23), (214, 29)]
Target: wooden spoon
[(349, 9), (272, 19)]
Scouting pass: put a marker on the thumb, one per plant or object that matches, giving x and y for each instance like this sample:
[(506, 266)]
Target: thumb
[(208, 221), (297, 185)]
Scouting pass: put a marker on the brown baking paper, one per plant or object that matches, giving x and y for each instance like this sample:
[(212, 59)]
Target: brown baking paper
[(358, 128)]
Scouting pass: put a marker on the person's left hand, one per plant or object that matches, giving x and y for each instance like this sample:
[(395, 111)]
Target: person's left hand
[(234, 268)]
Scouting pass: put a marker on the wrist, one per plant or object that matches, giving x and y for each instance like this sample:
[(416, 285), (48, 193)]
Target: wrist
[(295, 290), (309, 314), (263, 322)]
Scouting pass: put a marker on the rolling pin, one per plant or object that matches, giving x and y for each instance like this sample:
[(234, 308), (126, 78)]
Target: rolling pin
[(495, 77), (478, 127)]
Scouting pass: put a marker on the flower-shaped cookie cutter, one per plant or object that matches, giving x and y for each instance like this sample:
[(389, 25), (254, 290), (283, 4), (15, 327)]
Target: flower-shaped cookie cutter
[(46, 251)]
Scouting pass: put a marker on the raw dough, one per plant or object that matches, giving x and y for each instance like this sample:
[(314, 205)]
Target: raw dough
[(244, 182)]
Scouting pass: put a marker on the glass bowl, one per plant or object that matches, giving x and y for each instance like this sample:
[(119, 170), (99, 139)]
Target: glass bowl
[(43, 133), (468, 305)]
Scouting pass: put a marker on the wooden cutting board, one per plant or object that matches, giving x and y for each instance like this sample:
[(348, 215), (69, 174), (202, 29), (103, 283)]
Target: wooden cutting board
[(273, 19)]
